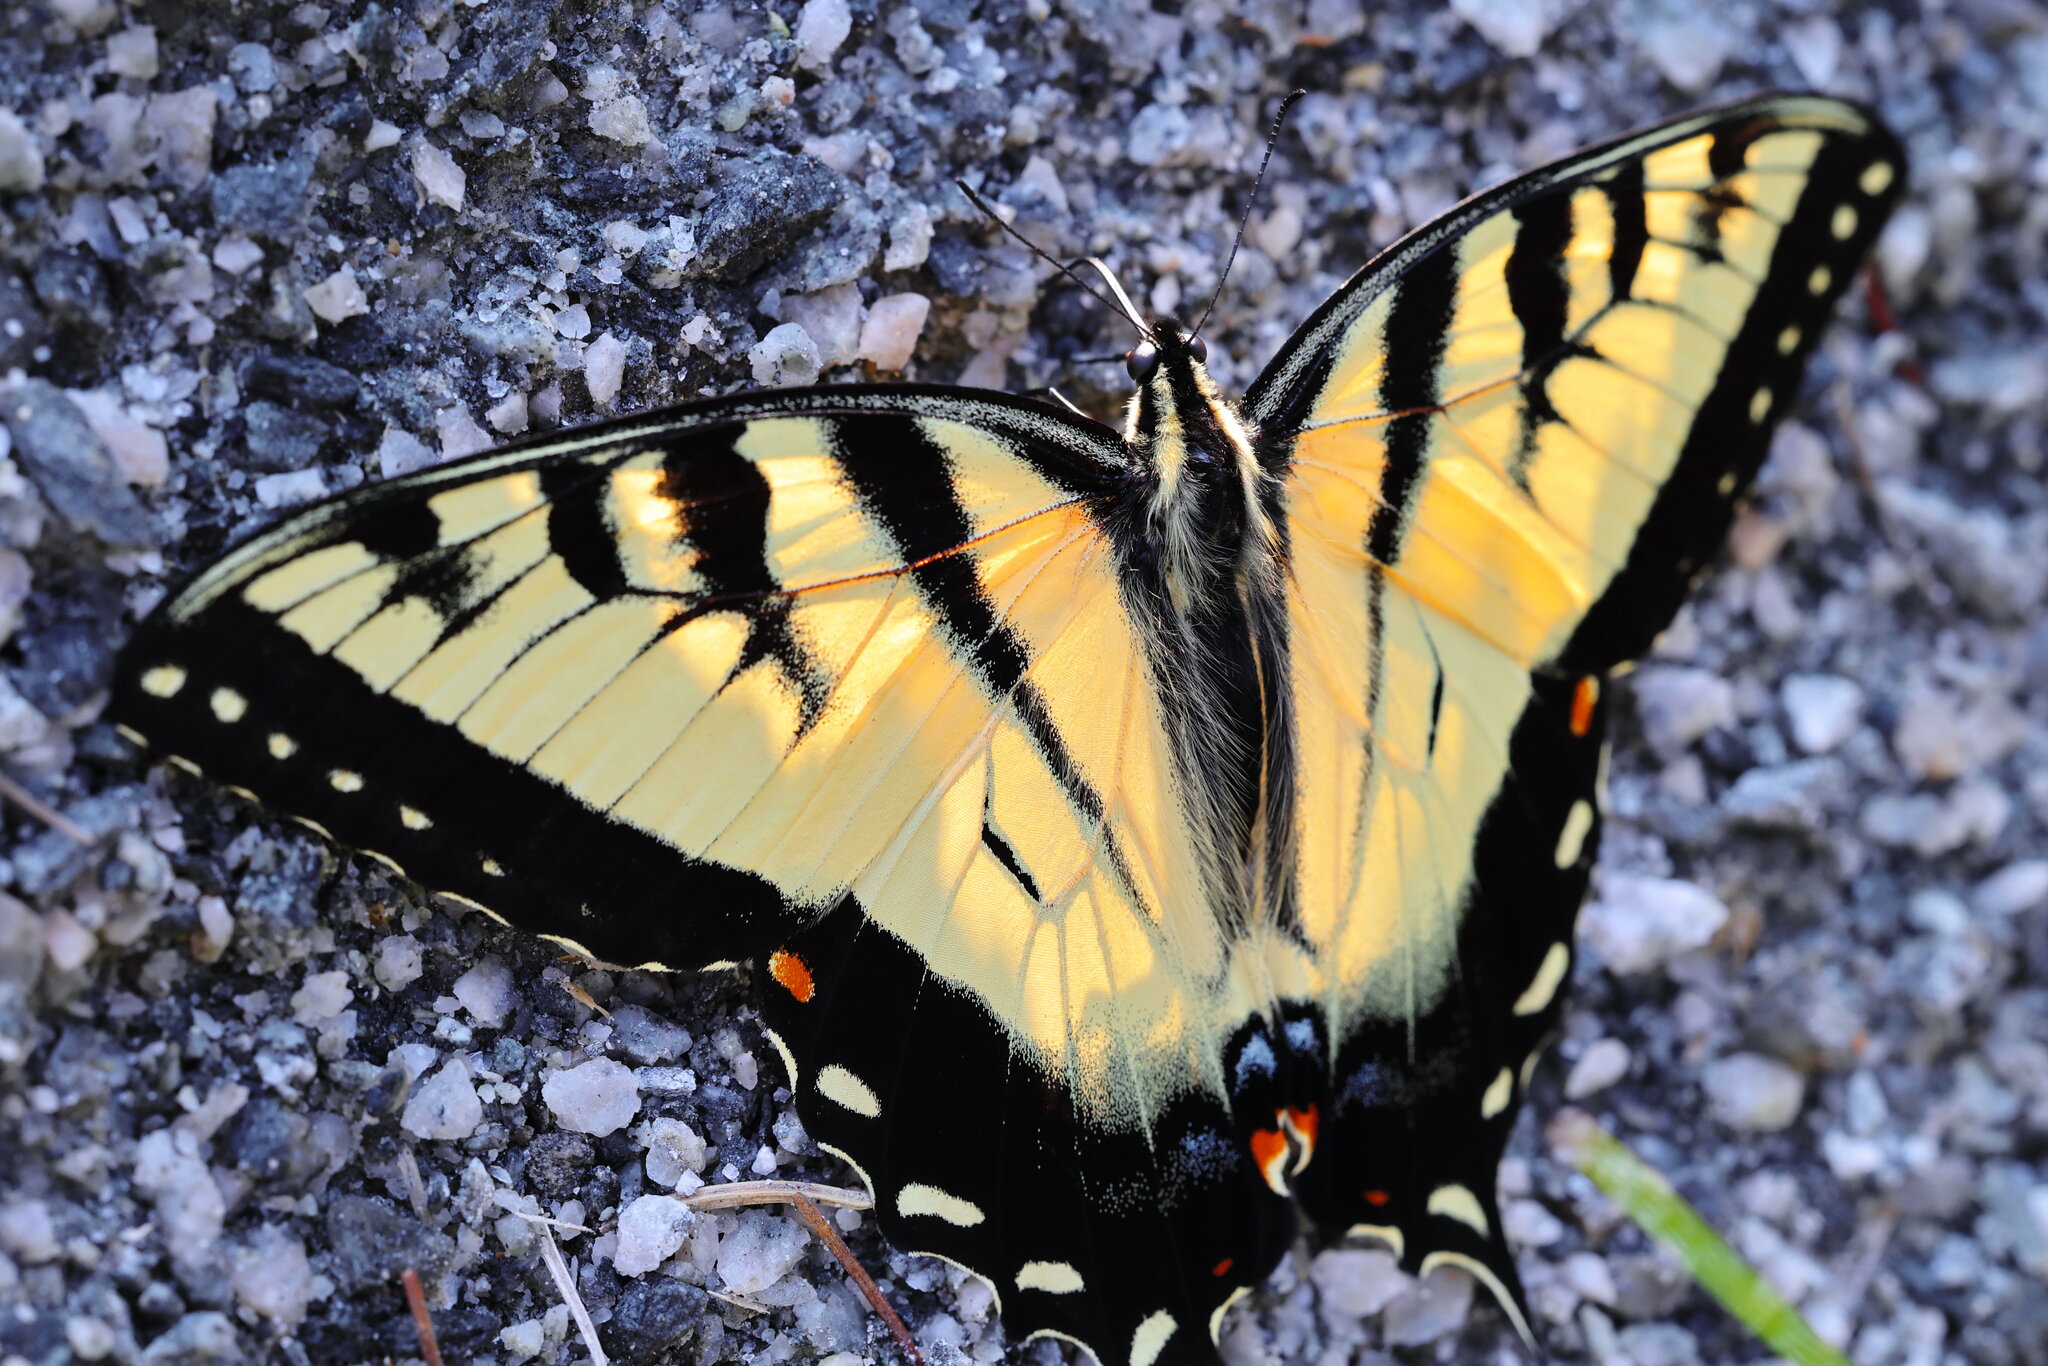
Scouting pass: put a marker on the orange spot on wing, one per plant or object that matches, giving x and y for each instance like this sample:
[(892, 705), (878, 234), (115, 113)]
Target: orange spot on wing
[(1584, 698), (1269, 1150), (1377, 1198), (1222, 1268), (793, 973)]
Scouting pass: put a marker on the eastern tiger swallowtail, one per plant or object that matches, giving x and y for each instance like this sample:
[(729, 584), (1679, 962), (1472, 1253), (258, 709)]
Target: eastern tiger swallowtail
[(1149, 836)]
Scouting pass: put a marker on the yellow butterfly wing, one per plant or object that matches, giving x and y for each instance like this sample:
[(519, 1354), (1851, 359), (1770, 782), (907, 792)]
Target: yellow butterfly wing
[(843, 678), (1501, 454)]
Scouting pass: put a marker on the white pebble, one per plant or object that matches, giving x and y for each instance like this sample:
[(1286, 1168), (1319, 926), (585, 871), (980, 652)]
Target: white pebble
[(759, 1252), (622, 120), (890, 334), (786, 356), (398, 961), (459, 433), (1587, 1274), (1356, 1281), (132, 52), (445, 1106), (2014, 888), (439, 176), (485, 991), (831, 317), (673, 1148), (400, 452), (509, 414), (338, 297), (764, 1162), (381, 135), (1639, 923), (69, 944), (293, 486), (271, 1275), (573, 322), (1821, 710), (21, 161), (1515, 27), (1679, 705), (27, 1233), (1751, 1092), (217, 925), (1605, 1062), (604, 368), (820, 29), (598, 1097), (523, 1340), (235, 254), (323, 996), (1526, 1223), (651, 1230), (910, 240)]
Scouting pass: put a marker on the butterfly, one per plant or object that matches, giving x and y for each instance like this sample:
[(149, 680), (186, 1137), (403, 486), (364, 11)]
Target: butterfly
[(1150, 837)]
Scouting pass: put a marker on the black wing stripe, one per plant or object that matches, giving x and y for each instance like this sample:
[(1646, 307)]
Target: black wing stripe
[(1424, 302)]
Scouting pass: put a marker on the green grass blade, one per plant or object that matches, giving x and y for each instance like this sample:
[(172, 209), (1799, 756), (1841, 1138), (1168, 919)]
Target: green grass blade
[(1648, 1199)]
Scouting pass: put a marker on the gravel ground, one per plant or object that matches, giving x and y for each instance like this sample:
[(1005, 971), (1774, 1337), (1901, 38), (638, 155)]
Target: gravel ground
[(253, 253)]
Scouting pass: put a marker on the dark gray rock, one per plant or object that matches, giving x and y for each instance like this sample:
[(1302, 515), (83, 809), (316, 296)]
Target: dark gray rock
[(73, 287), (282, 882), (23, 327), (370, 1242), (760, 210), (556, 1163), (70, 466), (653, 1315), (280, 438), (299, 381), (262, 201), (268, 1142), (646, 1037)]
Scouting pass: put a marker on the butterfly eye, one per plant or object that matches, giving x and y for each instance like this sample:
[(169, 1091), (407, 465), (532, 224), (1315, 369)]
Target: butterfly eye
[(1143, 362), (1199, 349)]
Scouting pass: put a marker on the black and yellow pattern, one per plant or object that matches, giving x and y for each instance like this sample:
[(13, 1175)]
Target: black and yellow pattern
[(1144, 834)]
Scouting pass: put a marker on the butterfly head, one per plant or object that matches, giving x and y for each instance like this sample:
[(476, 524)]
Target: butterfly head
[(1205, 513), (1168, 341)]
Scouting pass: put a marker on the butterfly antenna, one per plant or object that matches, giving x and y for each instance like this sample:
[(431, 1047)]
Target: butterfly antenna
[(1123, 307), (1249, 200)]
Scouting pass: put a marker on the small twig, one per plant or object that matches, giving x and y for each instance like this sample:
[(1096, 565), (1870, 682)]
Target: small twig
[(815, 1220), (565, 1285), (416, 1299), (43, 811), (751, 1306), (562, 1224), (737, 1194)]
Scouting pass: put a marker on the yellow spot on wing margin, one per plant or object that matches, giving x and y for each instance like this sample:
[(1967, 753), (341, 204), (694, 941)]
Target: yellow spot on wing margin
[(414, 820), (282, 746), (1054, 1278), (1876, 178), (782, 1050), (842, 1087), (1458, 1202), (163, 681), (228, 705), (1150, 1339), (917, 1198), (1549, 977), (1571, 841), (1497, 1095), (341, 780)]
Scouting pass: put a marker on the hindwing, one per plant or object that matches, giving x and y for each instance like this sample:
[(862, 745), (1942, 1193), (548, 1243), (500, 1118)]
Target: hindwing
[(1500, 454)]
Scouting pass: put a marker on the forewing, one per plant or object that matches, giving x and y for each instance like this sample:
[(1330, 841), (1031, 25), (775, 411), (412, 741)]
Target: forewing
[(844, 675), (1502, 453)]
